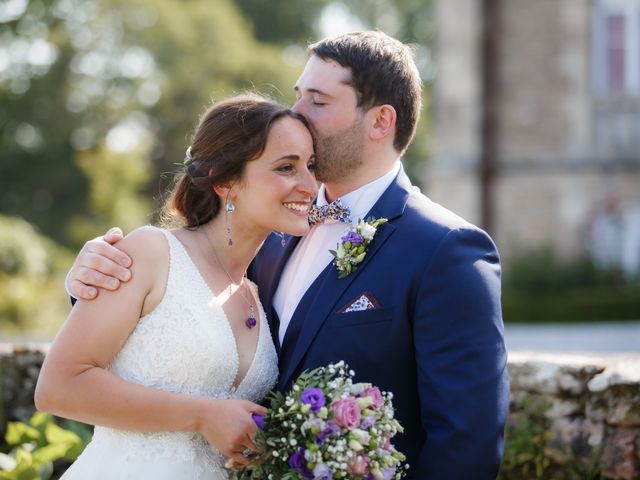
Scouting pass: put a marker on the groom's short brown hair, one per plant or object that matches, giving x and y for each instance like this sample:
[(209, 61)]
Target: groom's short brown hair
[(382, 72)]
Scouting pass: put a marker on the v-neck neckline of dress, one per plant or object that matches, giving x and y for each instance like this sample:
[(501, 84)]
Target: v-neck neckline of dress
[(234, 386)]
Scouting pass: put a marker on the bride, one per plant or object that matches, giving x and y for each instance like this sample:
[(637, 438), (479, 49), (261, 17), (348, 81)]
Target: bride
[(169, 366)]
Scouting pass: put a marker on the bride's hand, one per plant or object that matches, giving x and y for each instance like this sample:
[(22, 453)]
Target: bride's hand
[(229, 427)]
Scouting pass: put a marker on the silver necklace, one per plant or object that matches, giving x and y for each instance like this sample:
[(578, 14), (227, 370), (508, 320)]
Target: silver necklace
[(251, 321)]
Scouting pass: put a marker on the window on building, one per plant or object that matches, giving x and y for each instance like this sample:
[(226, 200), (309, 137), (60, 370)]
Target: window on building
[(616, 47), (616, 81)]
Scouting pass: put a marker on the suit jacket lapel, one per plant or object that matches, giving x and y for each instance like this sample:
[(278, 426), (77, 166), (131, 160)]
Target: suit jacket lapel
[(275, 258), (327, 289)]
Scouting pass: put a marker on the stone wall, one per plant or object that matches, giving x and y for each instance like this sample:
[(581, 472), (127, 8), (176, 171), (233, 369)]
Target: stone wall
[(19, 368), (594, 402), (594, 407)]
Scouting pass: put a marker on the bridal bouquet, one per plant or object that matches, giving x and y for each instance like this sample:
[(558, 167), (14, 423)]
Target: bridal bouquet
[(327, 427)]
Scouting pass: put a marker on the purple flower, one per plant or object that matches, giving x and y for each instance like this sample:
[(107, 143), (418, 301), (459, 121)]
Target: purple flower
[(322, 472), (314, 397), (331, 429), (299, 463), (388, 473), (353, 237), (367, 422), (259, 420)]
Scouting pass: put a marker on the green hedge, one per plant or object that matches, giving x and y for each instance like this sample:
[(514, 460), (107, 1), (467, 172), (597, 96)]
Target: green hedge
[(577, 305), (540, 287)]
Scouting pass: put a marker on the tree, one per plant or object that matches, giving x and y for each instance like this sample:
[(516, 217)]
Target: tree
[(32, 270), (84, 82), (294, 24)]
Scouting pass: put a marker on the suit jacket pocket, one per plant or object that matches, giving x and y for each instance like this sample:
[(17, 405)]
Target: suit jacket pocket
[(351, 319)]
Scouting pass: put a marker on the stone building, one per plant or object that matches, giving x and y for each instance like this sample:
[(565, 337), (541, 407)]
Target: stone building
[(537, 120)]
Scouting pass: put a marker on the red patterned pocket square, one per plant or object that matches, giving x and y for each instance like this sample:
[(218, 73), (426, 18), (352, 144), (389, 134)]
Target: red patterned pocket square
[(366, 301)]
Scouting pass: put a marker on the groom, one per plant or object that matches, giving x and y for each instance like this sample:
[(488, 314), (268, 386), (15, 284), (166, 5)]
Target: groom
[(420, 316)]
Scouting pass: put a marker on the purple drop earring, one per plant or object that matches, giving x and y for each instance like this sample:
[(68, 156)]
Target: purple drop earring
[(229, 208)]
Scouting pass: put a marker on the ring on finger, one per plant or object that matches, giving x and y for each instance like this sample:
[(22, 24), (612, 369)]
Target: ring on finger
[(247, 452)]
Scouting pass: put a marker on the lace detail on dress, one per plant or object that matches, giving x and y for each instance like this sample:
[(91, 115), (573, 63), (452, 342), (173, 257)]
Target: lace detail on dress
[(186, 345)]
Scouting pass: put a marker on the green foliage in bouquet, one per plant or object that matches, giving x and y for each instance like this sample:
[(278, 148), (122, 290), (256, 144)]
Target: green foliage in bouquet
[(37, 444), (327, 427)]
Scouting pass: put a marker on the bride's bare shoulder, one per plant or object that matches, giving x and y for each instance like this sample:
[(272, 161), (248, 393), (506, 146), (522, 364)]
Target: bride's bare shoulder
[(144, 241), (148, 248)]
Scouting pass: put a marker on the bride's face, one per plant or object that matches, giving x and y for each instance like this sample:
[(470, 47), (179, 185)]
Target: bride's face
[(277, 188)]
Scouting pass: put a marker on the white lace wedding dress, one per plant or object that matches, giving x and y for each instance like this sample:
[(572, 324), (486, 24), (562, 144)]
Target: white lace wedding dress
[(185, 345)]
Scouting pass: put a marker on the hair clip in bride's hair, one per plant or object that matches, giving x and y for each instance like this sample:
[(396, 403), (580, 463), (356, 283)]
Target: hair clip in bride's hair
[(188, 159)]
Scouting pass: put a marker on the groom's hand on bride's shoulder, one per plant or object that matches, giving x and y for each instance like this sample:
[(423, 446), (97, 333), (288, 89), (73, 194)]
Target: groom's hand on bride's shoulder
[(99, 265)]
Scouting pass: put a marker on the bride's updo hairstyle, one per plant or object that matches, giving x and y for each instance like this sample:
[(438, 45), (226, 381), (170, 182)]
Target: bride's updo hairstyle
[(231, 133)]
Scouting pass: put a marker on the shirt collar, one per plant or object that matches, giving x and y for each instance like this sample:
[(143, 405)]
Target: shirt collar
[(361, 200)]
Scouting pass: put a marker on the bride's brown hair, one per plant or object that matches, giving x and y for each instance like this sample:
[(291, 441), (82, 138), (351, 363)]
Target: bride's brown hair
[(231, 133)]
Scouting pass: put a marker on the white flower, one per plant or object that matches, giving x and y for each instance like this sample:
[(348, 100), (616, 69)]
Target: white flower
[(352, 248), (355, 445), (367, 231)]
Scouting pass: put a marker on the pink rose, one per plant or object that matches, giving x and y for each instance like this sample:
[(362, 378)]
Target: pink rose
[(376, 396), (346, 412), (358, 465)]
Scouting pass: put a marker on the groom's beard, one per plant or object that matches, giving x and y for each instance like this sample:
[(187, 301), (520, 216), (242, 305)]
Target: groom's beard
[(339, 156)]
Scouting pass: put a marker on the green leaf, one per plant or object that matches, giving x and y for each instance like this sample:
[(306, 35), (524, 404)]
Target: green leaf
[(21, 473), (45, 471), (24, 469), (85, 432), (19, 433), (54, 434), (50, 453), (40, 420)]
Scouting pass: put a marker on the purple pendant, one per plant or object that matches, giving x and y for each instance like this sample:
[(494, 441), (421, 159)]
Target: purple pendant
[(251, 322)]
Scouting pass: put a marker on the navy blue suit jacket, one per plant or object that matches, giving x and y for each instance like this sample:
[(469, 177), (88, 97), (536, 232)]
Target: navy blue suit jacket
[(436, 341)]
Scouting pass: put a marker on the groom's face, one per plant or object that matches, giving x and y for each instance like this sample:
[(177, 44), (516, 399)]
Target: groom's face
[(330, 105)]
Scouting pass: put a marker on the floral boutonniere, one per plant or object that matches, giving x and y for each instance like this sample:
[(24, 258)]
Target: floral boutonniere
[(353, 246)]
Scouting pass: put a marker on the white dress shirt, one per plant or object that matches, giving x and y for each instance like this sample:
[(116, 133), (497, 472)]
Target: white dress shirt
[(311, 256)]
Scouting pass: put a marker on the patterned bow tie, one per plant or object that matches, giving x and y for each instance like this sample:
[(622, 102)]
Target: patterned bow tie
[(334, 212)]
